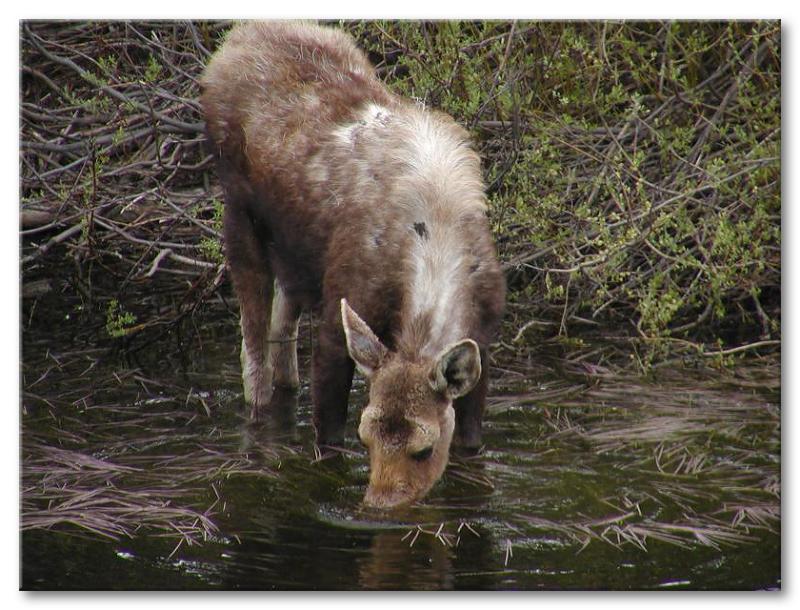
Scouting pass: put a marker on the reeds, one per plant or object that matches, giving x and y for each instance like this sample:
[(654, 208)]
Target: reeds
[(134, 493)]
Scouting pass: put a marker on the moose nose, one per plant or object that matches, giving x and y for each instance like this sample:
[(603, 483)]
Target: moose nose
[(387, 498)]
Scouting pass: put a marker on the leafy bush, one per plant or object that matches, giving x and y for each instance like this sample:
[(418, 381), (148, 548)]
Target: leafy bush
[(118, 321), (634, 168)]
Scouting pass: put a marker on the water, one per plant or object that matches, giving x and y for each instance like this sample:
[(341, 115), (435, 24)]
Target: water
[(144, 471)]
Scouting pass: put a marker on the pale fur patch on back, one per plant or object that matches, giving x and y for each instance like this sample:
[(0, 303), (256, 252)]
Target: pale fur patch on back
[(443, 188), (370, 117), (442, 162)]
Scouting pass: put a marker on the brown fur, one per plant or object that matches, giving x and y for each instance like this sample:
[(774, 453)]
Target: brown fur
[(337, 189)]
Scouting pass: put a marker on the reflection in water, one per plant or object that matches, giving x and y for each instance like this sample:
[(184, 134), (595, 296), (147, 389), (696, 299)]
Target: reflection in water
[(430, 558), (393, 563), (275, 424)]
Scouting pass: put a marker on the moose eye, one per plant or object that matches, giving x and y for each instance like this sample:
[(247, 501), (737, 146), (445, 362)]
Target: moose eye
[(422, 454)]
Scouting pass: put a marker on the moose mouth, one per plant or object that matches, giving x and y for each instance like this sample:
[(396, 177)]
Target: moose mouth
[(390, 498), (386, 491)]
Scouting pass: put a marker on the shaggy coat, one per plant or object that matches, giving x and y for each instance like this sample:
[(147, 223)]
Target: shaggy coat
[(336, 189)]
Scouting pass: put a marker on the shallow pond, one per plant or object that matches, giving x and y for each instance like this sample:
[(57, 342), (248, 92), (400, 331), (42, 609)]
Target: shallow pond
[(143, 470)]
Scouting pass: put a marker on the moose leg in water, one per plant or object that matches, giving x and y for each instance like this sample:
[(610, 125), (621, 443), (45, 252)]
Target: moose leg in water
[(469, 412), (253, 283), (332, 376)]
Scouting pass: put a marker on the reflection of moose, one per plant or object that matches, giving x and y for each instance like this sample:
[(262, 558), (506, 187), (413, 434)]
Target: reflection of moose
[(440, 556), (393, 563), (341, 195)]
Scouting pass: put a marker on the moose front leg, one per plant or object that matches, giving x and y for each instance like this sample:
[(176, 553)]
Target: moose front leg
[(332, 376), (255, 295), (469, 411)]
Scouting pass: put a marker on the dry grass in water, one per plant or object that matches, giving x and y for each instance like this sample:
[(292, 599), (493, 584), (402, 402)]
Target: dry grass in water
[(697, 455), (111, 452), (132, 491)]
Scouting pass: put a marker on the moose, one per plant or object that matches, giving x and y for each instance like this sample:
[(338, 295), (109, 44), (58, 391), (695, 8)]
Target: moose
[(370, 209)]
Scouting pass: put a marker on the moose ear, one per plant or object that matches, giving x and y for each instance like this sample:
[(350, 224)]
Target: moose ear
[(364, 347), (457, 369)]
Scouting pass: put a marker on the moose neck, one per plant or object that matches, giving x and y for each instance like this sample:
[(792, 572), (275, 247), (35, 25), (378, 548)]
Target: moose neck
[(435, 201), (443, 194), (436, 308)]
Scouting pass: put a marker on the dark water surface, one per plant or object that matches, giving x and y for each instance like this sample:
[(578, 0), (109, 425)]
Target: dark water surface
[(144, 471)]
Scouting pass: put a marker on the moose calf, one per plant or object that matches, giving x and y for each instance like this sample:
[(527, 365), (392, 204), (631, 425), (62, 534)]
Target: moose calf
[(343, 197)]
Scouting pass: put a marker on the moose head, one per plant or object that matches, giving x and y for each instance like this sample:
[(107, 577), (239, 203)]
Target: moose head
[(408, 424)]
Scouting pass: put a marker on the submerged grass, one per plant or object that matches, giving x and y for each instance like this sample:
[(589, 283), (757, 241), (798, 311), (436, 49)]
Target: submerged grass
[(684, 457), (114, 452), (578, 451), (133, 493)]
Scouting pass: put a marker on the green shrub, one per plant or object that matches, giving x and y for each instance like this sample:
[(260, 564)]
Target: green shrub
[(118, 321), (634, 168)]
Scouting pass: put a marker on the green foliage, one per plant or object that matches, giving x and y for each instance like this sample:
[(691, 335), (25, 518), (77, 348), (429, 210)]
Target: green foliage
[(153, 70), (119, 136), (634, 168), (108, 65), (96, 103), (119, 322), (211, 247)]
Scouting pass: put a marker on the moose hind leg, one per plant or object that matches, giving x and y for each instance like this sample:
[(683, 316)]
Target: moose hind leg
[(283, 339), (256, 372), (253, 283)]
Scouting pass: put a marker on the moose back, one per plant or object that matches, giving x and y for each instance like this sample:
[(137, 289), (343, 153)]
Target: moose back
[(343, 197)]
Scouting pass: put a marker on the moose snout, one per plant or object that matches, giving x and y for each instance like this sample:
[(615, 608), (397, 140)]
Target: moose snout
[(404, 476), (392, 483), (406, 458), (388, 497)]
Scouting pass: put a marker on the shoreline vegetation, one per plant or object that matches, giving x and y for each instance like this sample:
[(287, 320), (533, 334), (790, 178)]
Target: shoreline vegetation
[(633, 170)]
